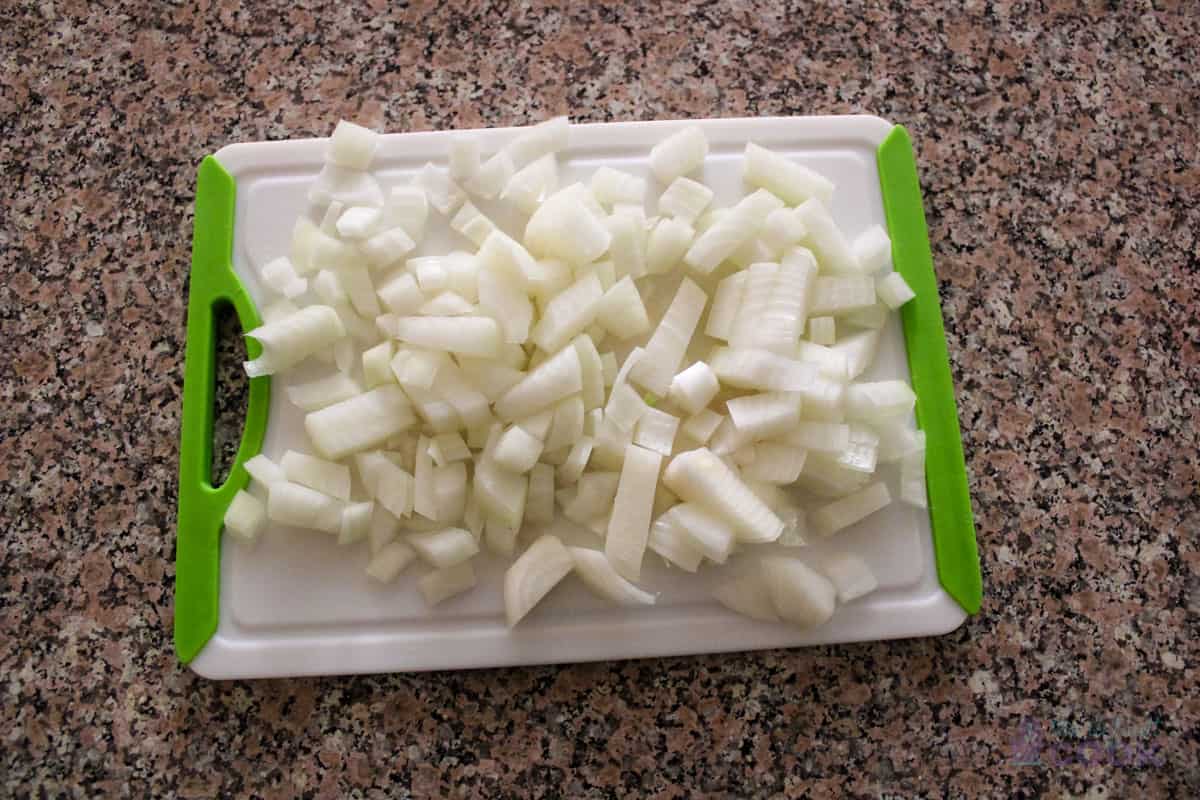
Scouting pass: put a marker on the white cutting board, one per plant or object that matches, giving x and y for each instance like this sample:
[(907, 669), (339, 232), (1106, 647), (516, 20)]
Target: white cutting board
[(298, 604)]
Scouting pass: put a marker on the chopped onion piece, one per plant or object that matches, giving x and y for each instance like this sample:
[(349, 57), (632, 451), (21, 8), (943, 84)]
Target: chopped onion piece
[(680, 153), (563, 228), (246, 516), (611, 186), (376, 364), (558, 377), (533, 575), (315, 473), (351, 187), (500, 297), (443, 193), (318, 394), (828, 437), (532, 184), (447, 448), (417, 369), (545, 138), (912, 478), (444, 548), (464, 157), (263, 471), (629, 527), (800, 594), (694, 388), (577, 459), (500, 493), (760, 369), (328, 289), (593, 496), (842, 294), (446, 304), (547, 278), (859, 350), (726, 302), (352, 145), (450, 491), (747, 595), (707, 533), (499, 537), (292, 504), (874, 316), (278, 309), (359, 423), (822, 330), (443, 584), (384, 529), (595, 570), (782, 230), (471, 223), (776, 463), (627, 248), (879, 400), (851, 577), (669, 240), (591, 371), (280, 275), (491, 177), (408, 208), (826, 239), (702, 425), (764, 415), (489, 377), (671, 542), (538, 425), (872, 249), (568, 314), (387, 247), (861, 454), (517, 450), (389, 561), (824, 475), (356, 522), (289, 341), (539, 505), (669, 342), (685, 200), (731, 231), (699, 476), (893, 290), (424, 491), (358, 222), (608, 365), (567, 425), (839, 514), (794, 183), (656, 431), (401, 294), (621, 311), (471, 336)]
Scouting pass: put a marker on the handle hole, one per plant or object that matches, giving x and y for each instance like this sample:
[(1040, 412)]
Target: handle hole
[(231, 391)]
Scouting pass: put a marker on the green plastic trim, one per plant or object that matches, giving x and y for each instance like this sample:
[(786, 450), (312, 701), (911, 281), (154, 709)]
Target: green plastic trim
[(202, 506), (929, 363)]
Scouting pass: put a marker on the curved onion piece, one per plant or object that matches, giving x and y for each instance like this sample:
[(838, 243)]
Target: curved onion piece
[(595, 570), (800, 594), (533, 575)]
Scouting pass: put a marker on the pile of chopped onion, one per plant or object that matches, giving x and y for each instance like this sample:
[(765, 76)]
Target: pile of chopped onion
[(656, 378)]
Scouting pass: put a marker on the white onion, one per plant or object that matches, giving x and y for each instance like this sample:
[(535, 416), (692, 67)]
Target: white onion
[(747, 595), (263, 471), (761, 416), (595, 570), (444, 548), (669, 342), (316, 473), (532, 184), (800, 594), (794, 183), (293, 504), (246, 516), (576, 461), (517, 450), (567, 425), (539, 504), (701, 426), (352, 145), (558, 377), (568, 314), (289, 341), (656, 431), (680, 153), (561, 229), (893, 290), (873, 249), (822, 330), (443, 193), (850, 509), (389, 561), (699, 476), (671, 542), (611, 186), (356, 522), (450, 491), (666, 245), (826, 239), (471, 336), (621, 311), (359, 423), (533, 575), (443, 584), (685, 200), (851, 576), (629, 527)]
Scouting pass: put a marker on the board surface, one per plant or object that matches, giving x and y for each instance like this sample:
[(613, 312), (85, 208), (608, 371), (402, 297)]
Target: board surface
[(298, 604)]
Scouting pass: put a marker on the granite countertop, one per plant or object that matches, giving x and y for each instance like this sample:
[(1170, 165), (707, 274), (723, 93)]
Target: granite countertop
[(1058, 151)]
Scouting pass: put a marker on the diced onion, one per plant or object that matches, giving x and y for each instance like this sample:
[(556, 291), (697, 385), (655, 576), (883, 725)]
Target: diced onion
[(533, 575), (698, 476), (679, 154), (442, 584), (389, 561), (595, 570), (800, 594), (246, 516), (747, 595)]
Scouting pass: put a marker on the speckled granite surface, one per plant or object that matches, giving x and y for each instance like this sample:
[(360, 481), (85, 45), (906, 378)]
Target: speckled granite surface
[(1058, 149)]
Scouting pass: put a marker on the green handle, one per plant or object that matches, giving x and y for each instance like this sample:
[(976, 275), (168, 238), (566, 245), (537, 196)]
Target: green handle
[(202, 506), (929, 363)]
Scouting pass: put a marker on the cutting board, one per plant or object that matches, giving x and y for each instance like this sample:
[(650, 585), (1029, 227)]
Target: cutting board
[(298, 604)]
